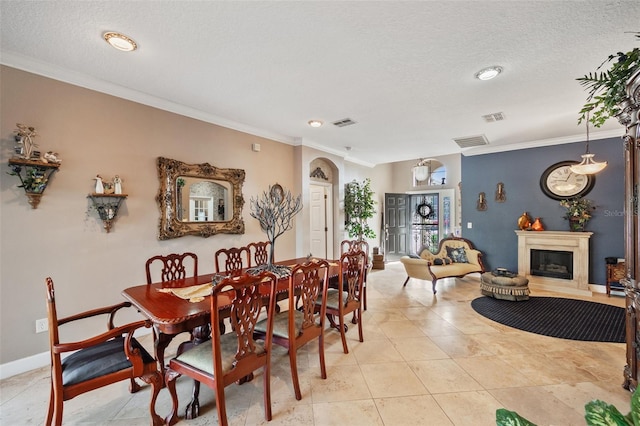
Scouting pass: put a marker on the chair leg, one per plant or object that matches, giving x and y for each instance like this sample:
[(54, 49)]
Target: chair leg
[(323, 368), (364, 295), (433, 285), (170, 377), (359, 311), (267, 390), (58, 407), (293, 362), (343, 334), (406, 281), (50, 410), (221, 405), (133, 386), (156, 382)]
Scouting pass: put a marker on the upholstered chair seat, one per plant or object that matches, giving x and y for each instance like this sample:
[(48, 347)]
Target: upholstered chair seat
[(99, 360)]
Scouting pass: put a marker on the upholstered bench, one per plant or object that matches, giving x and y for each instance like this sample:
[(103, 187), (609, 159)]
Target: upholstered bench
[(514, 288)]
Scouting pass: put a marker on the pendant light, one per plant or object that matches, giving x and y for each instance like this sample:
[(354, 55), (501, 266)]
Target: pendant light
[(588, 166), (422, 170)]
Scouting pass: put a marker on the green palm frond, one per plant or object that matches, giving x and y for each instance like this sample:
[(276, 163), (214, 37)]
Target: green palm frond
[(607, 88)]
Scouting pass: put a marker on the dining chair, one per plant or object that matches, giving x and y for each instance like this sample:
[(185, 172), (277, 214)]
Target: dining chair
[(347, 297), (351, 245), (98, 361), (231, 357), (232, 260), (259, 253), (302, 323), (173, 266)]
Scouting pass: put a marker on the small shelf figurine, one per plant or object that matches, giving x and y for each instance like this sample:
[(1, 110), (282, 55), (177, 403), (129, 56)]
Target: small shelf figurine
[(99, 185), (24, 138), (117, 183)]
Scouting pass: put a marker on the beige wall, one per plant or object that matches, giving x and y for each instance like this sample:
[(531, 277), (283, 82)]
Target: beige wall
[(94, 134)]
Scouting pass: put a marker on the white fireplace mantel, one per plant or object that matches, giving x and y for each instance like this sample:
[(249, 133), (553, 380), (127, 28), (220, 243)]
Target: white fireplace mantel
[(574, 242)]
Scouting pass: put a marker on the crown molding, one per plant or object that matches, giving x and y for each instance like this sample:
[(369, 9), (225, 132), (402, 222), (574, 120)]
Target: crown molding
[(35, 66)]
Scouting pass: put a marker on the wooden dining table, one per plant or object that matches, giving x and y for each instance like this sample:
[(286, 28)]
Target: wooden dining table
[(172, 315)]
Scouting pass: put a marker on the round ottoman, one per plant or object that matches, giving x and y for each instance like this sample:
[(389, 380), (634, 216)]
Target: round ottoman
[(503, 287)]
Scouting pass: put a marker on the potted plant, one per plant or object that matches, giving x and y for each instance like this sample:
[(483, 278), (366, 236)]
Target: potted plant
[(607, 88), (578, 212), (358, 208)]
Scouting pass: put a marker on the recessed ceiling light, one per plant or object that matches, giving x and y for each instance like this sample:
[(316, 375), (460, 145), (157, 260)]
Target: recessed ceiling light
[(120, 41), (315, 123), (488, 73)]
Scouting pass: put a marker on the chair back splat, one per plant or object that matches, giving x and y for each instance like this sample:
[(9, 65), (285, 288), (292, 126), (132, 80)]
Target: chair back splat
[(101, 360), (232, 261), (259, 253), (347, 246), (173, 266), (231, 357)]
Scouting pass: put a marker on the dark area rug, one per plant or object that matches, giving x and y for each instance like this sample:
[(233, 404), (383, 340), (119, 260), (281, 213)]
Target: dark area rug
[(557, 317)]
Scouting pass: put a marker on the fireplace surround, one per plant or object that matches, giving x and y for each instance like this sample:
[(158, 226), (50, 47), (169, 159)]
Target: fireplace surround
[(575, 245)]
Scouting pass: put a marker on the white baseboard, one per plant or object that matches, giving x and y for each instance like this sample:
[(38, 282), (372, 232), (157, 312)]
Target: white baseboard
[(23, 365), (32, 362)]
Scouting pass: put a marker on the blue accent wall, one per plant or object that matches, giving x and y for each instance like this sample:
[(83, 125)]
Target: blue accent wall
[(493, 230)]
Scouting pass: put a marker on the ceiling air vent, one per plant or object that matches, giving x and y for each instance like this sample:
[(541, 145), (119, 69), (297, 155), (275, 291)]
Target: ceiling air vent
[(344, 122), (496, 116), (470, 141)]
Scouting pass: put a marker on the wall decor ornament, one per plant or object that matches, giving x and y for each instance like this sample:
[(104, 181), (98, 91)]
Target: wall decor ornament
[(34, 177), (318, 173), (501, 194), (482, 202), (107, 206)]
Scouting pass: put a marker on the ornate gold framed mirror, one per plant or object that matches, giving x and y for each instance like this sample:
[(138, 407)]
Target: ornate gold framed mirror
[(199, 199)]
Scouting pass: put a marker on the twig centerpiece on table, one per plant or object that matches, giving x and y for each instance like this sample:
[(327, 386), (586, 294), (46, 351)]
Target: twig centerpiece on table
[(275, 210)]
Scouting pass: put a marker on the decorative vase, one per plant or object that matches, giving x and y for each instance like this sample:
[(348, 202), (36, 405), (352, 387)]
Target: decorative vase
[(575, 225), (537, 225), (524, 221)]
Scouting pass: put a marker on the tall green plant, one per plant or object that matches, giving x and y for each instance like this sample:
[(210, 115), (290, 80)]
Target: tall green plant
[(607, 88), (358, 208)]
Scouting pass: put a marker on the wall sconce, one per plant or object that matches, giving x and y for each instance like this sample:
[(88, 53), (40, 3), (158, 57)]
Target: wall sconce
[(501, 194), (482, 202)]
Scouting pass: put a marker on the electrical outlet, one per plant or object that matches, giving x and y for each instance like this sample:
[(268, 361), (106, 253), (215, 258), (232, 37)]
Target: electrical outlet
[(42, 325)]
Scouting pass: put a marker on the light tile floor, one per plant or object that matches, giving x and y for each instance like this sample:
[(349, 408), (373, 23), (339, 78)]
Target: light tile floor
[(425, 361)]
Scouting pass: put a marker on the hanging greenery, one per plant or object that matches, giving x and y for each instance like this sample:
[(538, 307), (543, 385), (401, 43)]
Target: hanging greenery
[(607, 88), (358, 208)]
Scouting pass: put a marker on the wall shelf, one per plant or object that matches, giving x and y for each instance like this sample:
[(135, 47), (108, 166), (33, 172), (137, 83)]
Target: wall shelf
[(34, 177), (107, 206)]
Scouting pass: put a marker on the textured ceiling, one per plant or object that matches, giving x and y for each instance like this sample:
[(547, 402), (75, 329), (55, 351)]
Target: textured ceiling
[(403, 71)]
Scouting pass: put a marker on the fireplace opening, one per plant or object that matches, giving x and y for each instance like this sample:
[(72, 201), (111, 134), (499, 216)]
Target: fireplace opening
[(552, 264)]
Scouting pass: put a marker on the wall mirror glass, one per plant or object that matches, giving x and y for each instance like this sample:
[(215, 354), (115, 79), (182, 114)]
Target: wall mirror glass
[(199, 199)]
